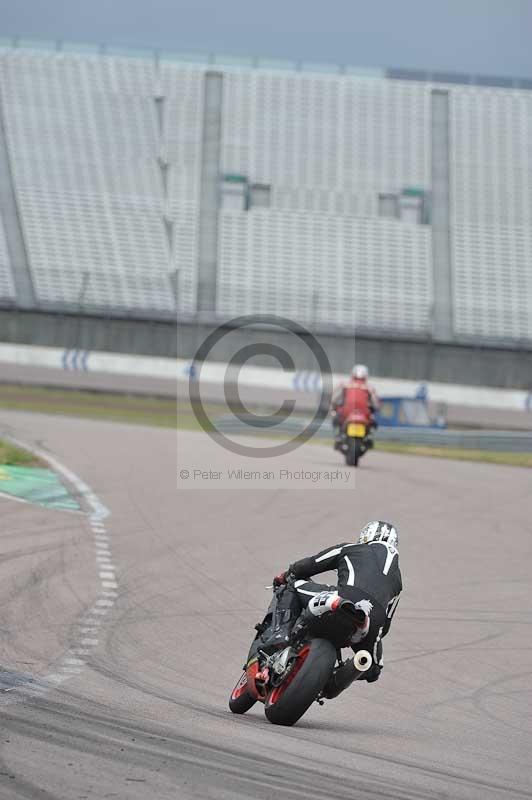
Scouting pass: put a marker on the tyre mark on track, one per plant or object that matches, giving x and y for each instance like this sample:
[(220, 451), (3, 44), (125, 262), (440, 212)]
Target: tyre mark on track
[(431, 771), (245, 774), (30, 551), (92, 620)]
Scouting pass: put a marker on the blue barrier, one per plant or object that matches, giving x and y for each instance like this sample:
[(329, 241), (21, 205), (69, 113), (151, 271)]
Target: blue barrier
[(307, 381), (406, 412), (75, 360)]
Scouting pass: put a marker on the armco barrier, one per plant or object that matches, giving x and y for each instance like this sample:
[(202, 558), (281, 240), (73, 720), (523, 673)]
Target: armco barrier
[(500, 441)]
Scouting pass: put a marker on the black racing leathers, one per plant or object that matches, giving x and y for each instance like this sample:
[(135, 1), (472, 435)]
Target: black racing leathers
[(365, 572)]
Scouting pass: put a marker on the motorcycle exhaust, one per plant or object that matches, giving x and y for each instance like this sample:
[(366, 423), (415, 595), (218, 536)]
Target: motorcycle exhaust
[(362, 661)]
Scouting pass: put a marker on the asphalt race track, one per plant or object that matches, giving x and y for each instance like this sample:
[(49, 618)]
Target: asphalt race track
[(146, 716)]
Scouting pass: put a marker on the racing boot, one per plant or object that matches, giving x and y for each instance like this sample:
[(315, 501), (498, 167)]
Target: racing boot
[(341, 678)]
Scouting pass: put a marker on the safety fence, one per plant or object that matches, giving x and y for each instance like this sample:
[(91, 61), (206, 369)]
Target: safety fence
[(500, 441)]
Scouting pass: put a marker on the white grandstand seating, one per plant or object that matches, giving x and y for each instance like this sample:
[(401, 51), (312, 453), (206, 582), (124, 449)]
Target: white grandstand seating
[(491, 211), (84, 142), (90, 165), (7, 287), (334, 135), (372, 272), (74, 235), (328, 145), (491, 156), (493, 281)]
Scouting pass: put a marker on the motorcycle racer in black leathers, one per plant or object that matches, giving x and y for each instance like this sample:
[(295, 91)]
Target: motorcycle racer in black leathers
[(369, 576)]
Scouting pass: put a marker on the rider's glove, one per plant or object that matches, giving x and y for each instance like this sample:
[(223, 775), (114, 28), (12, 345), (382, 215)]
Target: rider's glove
[(372, 674), (280, 580)]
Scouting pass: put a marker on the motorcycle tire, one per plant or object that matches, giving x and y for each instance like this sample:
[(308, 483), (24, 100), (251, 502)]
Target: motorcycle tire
[(353, 453), (286, 704), (240, 700)]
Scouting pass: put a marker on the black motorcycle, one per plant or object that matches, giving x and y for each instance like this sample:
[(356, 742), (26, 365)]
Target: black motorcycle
[(290, 665)]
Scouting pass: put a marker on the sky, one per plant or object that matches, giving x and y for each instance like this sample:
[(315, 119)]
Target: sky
[(483, 37)]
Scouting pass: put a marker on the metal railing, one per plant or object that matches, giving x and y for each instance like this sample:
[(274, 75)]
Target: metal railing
[(492, 440), (257, 62)]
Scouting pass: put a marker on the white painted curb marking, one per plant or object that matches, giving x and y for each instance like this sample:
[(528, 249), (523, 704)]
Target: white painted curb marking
[(91, 620)]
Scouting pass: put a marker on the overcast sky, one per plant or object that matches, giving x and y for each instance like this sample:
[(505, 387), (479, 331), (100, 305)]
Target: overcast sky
[(490, 37)]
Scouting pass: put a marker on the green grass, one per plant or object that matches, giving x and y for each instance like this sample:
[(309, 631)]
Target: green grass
[(161, 412), (15, 456), (93, 405), (164, 412), (451, 453), (458, 454)]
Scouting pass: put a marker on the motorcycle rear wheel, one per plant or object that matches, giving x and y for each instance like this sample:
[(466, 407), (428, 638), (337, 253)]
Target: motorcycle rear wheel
[(353, 453), (286, 704)]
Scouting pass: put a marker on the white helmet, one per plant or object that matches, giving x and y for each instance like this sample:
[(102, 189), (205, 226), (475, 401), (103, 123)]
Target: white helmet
[(360, 372), (379, 531)]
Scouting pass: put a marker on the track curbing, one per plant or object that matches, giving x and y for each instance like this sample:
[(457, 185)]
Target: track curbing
[(93, 619)]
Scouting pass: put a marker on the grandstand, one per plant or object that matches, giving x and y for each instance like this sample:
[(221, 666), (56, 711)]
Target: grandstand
[(381, 201)]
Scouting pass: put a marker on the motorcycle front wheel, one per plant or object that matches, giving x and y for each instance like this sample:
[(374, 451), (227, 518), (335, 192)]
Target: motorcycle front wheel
[(288, 702), (241, 700)]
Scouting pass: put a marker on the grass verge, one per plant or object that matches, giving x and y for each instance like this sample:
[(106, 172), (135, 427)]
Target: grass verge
[(15, 456), (161, 412), (92, 405), (164, 412), (458, 454)]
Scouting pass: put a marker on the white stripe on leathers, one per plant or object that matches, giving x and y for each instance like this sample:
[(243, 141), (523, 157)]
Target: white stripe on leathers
[(329, 554), (390, 555), (299, 583), (351, 578)]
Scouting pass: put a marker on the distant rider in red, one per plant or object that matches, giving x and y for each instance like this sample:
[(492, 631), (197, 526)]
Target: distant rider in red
[(355, 395)]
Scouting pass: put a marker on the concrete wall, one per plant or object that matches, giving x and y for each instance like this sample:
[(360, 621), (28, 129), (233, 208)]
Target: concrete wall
[(88, 333), (448, 363), (386, 357)]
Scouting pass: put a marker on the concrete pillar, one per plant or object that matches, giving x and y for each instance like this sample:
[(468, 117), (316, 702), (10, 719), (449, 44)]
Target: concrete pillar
[(209, 193), (16, 246)]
